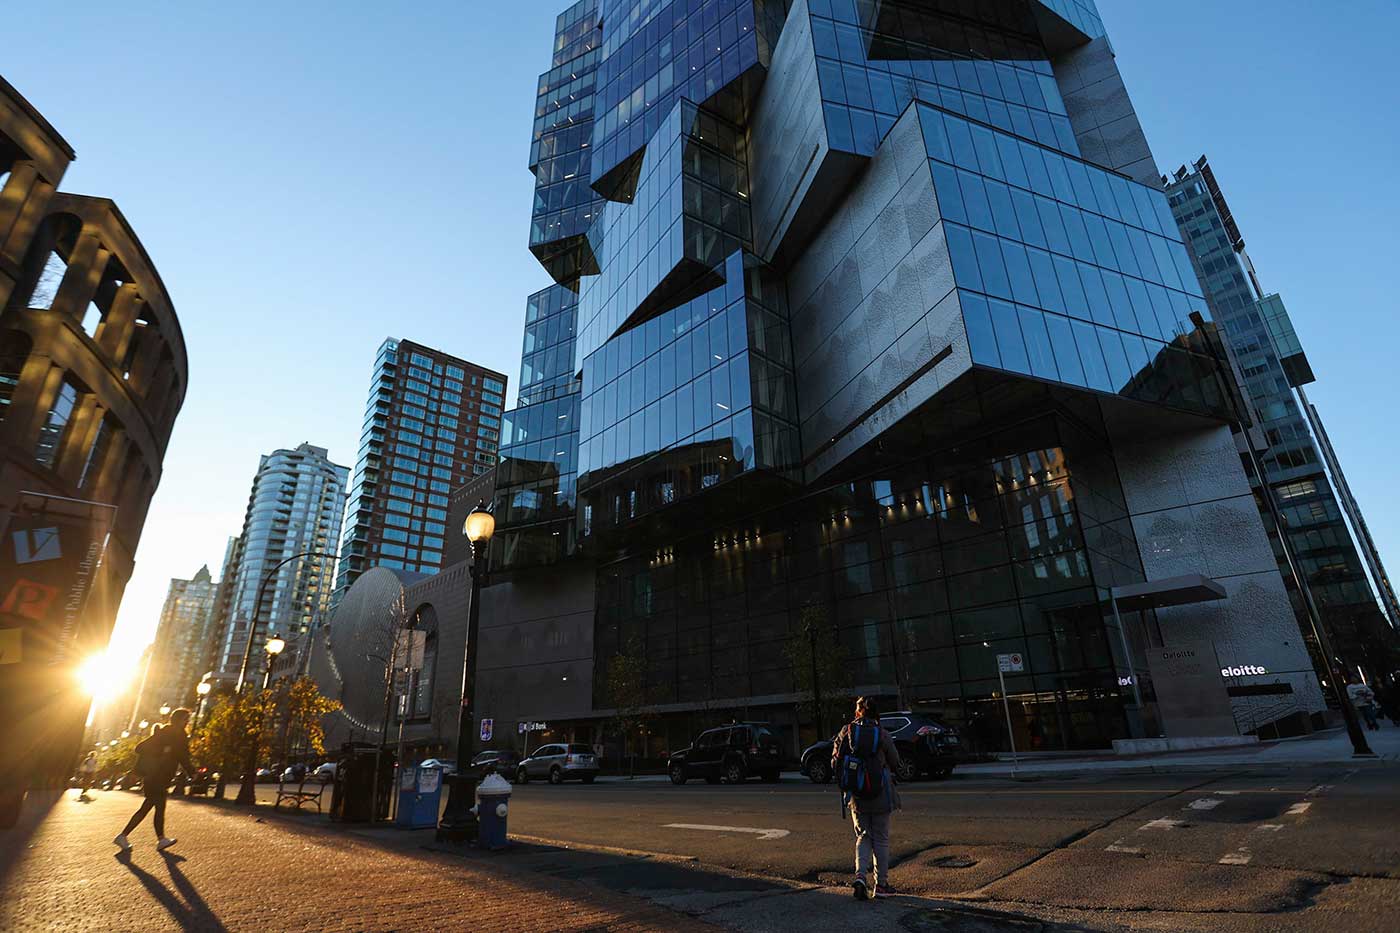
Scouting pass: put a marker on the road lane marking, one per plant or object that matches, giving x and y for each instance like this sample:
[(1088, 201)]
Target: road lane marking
[(1269, 827), (1319, 790), (1162, 824), (1298, 809), (1241, 857), (1118, 847), (761, 833), (1228, 793), (1207, 803)]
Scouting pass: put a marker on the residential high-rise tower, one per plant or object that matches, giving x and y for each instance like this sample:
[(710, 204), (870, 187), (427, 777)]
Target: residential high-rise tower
[(432, 422), (186, 620), (283, 562)]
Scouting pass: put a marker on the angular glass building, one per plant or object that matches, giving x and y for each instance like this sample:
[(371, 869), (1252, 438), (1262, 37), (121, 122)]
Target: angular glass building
[(873, 333)]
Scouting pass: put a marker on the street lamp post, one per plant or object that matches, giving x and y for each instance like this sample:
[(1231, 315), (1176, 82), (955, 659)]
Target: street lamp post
[(246, 792), (458, 821), (202, 689)]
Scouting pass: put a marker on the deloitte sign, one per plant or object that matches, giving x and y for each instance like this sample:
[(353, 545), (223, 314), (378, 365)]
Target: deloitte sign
[(1248, 670)]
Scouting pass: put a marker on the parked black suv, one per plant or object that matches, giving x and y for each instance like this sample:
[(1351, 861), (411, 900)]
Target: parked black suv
[(926, 745), (730, 753)]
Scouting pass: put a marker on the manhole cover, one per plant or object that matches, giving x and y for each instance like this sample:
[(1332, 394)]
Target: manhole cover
[(953, 861), (958, 921)]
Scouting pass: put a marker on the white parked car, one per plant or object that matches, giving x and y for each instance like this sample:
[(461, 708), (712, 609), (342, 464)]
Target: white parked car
[(325, 773)]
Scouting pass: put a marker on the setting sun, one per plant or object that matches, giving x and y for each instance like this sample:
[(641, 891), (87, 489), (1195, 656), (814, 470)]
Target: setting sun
[(103, 676)]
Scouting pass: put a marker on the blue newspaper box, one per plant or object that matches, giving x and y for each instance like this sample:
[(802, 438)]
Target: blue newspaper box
[(420, 796)]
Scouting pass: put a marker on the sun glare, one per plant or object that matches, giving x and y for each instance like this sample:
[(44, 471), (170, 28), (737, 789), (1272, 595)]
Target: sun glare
[(103, 677)]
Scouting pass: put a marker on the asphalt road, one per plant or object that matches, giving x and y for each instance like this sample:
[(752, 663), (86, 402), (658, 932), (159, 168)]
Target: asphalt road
[(1282, 849)]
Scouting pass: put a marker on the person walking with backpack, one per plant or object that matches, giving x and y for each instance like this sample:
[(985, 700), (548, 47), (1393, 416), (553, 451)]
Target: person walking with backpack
[(865, 760), (156, 760)]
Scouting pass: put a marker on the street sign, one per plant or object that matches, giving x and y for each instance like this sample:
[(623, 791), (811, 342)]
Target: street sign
[(487, 729), (1010, 663)]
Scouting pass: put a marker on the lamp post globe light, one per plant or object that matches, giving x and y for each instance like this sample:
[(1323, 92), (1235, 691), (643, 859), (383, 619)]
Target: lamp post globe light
[(165, 709), (458, 822), (145, 724), (202, 690)]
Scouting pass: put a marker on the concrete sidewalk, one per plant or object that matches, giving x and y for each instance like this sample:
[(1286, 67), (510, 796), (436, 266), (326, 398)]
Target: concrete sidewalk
[(1331, 746)]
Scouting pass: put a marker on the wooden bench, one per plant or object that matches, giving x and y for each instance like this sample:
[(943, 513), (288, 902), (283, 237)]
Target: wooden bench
[(300, 796)]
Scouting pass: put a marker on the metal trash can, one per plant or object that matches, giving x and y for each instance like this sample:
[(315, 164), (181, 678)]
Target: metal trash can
[(492, 806), (357, 793)]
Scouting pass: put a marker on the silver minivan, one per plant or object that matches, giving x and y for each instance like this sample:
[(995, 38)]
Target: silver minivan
[(559, 763)]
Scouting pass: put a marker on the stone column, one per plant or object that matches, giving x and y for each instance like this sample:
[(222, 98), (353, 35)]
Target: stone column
[(24, 177), (86, 264), (29, 406), (105, 482), (143, 368), (115, 333), (77, 440), (22, 204)]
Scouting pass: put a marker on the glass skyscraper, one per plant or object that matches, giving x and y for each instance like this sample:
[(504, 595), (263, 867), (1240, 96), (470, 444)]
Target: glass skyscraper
[(432, 422), (1295, 463), (872, 324)]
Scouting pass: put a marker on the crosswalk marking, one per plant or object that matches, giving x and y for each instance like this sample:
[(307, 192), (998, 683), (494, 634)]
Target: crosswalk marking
[(1240, 857), (1163, 824), (1205, 803), (1268, 827), (1298, 809)]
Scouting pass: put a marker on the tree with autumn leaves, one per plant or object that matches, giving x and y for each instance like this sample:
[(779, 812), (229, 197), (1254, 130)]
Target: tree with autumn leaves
[(284, 718)]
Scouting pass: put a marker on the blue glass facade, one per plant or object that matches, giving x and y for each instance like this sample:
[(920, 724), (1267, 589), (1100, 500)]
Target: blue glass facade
[(535, 499), (565, 204), (984, 61), (657, 52), (1066, 271)]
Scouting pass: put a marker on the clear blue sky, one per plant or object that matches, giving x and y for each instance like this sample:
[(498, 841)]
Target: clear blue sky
[(311, 177)]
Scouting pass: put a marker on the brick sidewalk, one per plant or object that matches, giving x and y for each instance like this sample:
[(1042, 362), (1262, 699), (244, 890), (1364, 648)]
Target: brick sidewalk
[(234, 871)]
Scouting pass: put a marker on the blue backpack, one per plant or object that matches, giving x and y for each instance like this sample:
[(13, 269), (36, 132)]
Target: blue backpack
[(862, 773)]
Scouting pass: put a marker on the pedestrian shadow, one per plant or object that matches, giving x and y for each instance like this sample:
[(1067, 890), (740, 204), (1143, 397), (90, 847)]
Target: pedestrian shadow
[(14, 842), (192, 913)]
